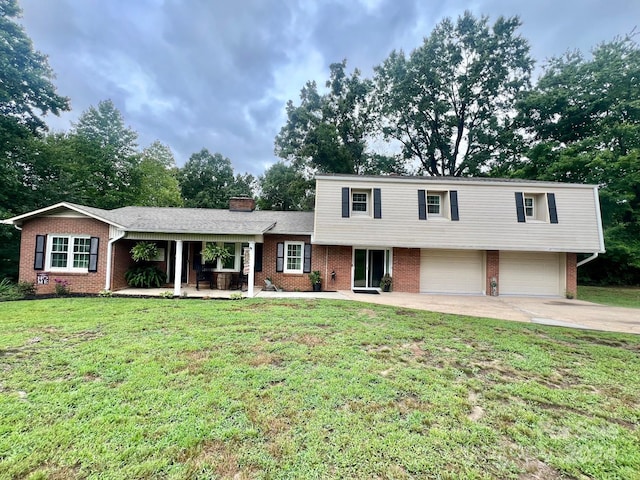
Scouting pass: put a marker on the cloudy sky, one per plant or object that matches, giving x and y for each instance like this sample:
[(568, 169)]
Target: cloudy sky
[(218, 73)]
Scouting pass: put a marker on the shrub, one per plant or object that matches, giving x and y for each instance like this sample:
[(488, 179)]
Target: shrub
[(144, 251), (26, 289), (63, 287), (145, 277), (166, 294), (8, 291), (105, 293)]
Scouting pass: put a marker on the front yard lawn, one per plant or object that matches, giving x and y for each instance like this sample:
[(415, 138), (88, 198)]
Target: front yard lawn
[(615, 296), (176, 389)]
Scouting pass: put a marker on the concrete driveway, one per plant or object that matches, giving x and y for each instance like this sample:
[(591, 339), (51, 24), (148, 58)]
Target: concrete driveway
[(542, 310)]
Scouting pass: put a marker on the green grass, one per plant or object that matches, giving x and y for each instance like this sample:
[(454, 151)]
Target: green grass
[(175, 389), (615, 296)]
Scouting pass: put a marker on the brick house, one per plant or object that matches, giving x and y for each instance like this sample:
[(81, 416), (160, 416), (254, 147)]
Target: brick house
[(432, 235)]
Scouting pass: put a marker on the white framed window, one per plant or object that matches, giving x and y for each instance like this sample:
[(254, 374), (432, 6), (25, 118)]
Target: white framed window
[(529, 207), (231, 264), (293, 257), (359, 202), (434, 204), (68, 253)]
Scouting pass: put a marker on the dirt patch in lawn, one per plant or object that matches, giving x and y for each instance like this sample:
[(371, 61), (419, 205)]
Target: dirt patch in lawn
[(218, 456)]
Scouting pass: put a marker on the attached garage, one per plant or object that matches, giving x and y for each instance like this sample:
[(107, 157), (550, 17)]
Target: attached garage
[(452, 271), (531, 273)]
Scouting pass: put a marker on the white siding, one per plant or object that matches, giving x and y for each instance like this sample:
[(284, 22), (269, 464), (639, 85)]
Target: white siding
[(531, 273), (451, 271), (487, 210)]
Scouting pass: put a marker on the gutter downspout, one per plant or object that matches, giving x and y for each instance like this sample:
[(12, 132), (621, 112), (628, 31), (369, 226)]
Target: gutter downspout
[(587, 260), (107, 283)]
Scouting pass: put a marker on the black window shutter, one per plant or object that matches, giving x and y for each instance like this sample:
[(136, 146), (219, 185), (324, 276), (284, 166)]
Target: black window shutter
[(93, 254), (422, 205), (257, 265), (280, 257), (377, 203), (307, 258), (520, 207), (453, 197), (553, 212), (38, 262), (345, 202)]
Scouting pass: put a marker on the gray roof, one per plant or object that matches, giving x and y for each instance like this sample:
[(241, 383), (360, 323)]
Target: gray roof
[(206, 221), (189, 220)]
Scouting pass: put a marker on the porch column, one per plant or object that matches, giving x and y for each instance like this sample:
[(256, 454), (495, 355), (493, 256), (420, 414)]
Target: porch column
[(252, 275), (177, 279)]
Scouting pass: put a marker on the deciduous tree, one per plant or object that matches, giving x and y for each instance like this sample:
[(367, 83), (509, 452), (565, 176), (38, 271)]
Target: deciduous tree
[(448, 103)]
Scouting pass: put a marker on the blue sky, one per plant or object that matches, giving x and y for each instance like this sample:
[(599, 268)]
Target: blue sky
[(217, 74)]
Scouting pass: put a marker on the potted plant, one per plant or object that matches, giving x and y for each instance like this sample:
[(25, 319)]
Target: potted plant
[(385, 282), (145, 274), (316, 280), (212, 252)]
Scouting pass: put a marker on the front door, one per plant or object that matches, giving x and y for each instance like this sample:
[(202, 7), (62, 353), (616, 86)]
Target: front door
[(369, 265)]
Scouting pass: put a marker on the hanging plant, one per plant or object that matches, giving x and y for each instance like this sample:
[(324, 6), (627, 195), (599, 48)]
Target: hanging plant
[(144, 251), (212, 252)]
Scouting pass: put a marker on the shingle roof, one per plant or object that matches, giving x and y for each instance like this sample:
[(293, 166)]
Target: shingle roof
[(189, 220), (210, 221)]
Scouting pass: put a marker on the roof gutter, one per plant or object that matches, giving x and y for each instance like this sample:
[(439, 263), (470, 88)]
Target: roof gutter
[(587, 260)]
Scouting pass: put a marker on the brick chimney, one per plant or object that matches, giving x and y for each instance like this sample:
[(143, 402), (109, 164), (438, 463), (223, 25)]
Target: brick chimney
[(242, 204)]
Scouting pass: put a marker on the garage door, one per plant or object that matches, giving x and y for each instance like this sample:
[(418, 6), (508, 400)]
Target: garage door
[(531, 273), (451, 271)]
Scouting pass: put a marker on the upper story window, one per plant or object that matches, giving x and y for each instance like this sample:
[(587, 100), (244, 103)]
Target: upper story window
[(434, 204), (438, 204), (363, 202), (68, 253), (359, 201), (536, 207)]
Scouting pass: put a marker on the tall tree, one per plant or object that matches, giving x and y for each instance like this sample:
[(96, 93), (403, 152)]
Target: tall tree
[(284, 187), (25, 76), (328, 132), (448, 103), (205, 180), (158, 177), (108, 148), (584, 120)]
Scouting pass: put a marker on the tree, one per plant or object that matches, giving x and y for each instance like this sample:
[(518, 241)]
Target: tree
[(329, 132), (243, 186), (205, 180), (109, 151), (583, 117), (284, 187), (449, 103), (25, 76), (158, 178)]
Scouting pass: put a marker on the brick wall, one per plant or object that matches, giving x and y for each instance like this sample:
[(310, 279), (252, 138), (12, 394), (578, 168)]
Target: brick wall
[(493, 271), (406, 270), (79, 282), (572, 275)]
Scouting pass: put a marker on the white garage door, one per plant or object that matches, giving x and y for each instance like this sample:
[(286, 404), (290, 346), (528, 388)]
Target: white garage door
[(531, 273), (452, 271)]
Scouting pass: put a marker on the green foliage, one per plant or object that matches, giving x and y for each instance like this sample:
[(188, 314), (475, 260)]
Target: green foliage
[(105, 293), (144, 251), (309, 389), (145, 277), (584, 117), (315, 277), (284, 187), (212, 252), (62, 287), (328, 132), (26, 289), (26, 86), (157, 171), (8, 291), (167, 294), (205, 180), (448, 103)]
